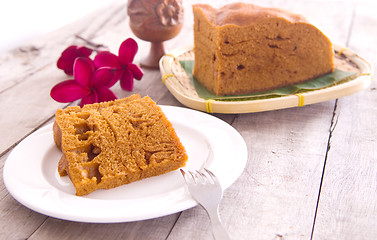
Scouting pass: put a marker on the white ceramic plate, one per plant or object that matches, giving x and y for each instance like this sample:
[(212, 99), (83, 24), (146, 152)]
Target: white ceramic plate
[(31, 177)]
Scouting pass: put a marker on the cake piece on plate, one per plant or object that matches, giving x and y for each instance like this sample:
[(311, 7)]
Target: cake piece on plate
[(109, 144), (243, 48)]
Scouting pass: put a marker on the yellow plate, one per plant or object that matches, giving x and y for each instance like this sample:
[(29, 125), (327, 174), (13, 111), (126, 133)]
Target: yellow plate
[(179, 84)]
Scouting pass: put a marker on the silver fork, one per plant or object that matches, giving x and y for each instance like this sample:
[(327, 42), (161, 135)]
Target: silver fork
[(206, 190)]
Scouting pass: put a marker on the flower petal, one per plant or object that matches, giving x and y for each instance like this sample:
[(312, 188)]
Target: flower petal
[(127, 51), (105, 94), (127, 80), (83, 70), (106, 59), (66, 60), (68, 56), (84, 51), (105, 77), (137, 72), (89, 99), (68, 91)]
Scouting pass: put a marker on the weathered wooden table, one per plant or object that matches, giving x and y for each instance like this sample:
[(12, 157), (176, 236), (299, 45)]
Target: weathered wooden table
[(311, 171)]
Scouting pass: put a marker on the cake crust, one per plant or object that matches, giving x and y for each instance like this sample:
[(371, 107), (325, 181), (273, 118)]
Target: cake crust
[(243, 48)]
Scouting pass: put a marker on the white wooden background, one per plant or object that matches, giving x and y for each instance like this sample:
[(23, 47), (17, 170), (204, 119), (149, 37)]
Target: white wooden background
[(311, 171)]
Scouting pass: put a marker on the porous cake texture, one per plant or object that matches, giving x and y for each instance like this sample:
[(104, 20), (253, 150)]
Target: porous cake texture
[(109, 144), (243, 48)]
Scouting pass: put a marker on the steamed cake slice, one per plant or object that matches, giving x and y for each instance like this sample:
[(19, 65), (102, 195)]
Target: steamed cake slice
[(109, 144), (243, 48)]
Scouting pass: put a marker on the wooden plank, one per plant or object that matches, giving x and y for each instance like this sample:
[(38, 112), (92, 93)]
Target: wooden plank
[(347, 207), (29, 72), (18, 91), (149, 229), (277, 193), (38, 226), (13, 214), (276, 196)]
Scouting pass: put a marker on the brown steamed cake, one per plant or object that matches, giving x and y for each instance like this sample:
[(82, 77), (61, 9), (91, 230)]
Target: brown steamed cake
[(109, 144), (242, 48)]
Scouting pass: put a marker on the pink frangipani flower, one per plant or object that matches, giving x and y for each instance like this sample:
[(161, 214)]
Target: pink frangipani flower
[(89, 85), (68, 56), (126, 70)]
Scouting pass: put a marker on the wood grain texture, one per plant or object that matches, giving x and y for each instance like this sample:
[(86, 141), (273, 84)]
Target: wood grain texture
[(348, 207), (287, 152), (149, 229), (300, 158), (277, 193), (13, 214)]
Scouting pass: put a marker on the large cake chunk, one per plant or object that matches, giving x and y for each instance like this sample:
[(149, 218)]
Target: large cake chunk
[(109, 144), (242, 48)]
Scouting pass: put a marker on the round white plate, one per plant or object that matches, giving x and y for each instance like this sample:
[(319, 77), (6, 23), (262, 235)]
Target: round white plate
[(31, 176)]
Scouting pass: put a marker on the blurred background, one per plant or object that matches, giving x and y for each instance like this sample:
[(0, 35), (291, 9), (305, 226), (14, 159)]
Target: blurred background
[(23, 20)]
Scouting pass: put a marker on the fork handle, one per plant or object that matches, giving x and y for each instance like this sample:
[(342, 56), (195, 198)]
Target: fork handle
[(218, 230)]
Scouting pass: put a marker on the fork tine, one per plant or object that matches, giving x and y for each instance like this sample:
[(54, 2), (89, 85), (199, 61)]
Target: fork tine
[(213, 177), (203, 176), (183, 174), (193, 177), (190, 177), (186, 176)]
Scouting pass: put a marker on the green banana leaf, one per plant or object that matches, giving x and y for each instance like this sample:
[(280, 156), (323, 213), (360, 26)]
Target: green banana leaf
[(331, 79)]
